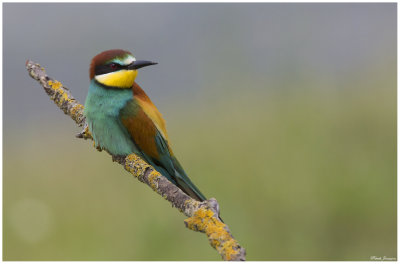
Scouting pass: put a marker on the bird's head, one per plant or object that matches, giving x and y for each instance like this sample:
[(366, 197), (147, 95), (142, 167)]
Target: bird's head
[(116, 68)]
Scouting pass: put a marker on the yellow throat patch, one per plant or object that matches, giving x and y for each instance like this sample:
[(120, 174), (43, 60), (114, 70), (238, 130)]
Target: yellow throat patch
[(120, 79)]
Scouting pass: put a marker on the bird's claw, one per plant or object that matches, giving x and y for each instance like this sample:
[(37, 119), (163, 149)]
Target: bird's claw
[(118, 158), (212, 202), (85, 134)]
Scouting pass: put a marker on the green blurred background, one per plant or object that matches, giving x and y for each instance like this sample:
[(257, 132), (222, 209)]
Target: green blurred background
[(286, 113)]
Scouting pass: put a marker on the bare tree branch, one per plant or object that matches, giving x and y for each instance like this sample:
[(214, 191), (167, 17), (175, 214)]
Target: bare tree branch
[(203, 216)]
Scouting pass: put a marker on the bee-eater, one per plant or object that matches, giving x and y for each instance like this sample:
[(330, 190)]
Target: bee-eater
[(123, 120)]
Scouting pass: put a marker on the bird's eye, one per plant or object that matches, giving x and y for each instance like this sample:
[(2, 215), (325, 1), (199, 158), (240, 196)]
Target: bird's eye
[(113, 66)]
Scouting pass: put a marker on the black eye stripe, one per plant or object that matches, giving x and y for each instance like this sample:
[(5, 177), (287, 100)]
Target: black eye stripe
[(103, 69)]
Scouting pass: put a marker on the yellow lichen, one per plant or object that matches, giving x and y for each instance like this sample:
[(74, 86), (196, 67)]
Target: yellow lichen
[(204, 221), (55, 85), (60, 96), (64, 95), (152, 179), (75, 112), (135, 165)]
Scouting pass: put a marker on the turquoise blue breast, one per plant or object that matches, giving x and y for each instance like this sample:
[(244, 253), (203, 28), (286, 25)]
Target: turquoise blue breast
[(102, 107)]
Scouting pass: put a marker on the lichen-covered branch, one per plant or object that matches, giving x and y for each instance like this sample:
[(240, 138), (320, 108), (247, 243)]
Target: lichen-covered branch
[(203, 216)]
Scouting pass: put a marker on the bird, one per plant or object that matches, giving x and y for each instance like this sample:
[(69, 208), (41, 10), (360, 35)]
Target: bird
[(123, 120)]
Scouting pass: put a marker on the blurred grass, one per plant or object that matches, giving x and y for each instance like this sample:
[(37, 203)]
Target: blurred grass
[(303, 172)]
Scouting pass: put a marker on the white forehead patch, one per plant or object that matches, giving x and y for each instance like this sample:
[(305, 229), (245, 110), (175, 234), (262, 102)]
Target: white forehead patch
[(129, 60), (125, 61)]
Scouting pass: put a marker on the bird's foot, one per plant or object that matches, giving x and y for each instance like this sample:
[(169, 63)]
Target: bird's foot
[(214, 205), (118, 158), (85, 133)]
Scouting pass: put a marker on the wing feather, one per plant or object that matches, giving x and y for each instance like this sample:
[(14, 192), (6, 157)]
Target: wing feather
[(147, 128), (150, 109)]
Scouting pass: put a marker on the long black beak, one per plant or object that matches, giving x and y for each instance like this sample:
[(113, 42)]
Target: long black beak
[(140, 64)]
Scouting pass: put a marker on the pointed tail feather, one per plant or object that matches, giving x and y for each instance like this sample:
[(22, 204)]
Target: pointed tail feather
[(186, 185)]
